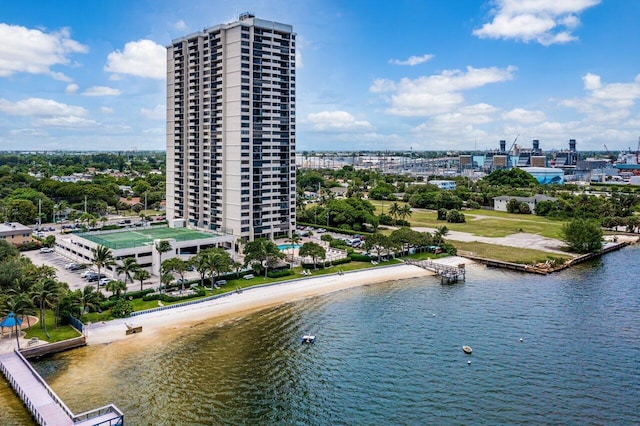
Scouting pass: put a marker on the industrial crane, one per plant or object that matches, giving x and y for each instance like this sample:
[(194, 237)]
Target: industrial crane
[(512, 145)]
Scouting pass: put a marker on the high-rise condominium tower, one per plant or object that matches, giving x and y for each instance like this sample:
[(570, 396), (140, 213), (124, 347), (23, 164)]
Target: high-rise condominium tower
[(231, 128)]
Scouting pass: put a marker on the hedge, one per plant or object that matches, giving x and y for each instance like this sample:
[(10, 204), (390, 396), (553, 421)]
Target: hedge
[(133, 294), (356, 257), (166, 298), (279, 274)]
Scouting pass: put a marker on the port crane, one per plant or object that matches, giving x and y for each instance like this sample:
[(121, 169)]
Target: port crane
[(510, 149)]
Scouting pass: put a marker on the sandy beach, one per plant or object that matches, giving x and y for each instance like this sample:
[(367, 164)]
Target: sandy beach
[(249, 300)]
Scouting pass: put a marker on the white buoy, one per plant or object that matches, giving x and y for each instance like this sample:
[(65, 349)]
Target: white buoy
[(521, 340), (469, 362), (434, 315)]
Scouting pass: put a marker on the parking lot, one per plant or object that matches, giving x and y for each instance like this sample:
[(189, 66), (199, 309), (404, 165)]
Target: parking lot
[(72, 277)]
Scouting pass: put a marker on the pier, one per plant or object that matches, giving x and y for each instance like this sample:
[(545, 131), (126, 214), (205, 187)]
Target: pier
[(448, 274), (43, 403)]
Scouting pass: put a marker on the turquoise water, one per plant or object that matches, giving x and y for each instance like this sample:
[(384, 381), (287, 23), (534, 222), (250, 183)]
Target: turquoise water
[(391, 354), (284, 247)]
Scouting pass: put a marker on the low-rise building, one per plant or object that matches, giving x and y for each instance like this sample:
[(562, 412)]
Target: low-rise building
[(15, 233), (447, 185), (500, 203)]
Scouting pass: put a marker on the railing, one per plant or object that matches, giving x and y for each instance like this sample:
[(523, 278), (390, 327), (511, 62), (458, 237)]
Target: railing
[(50, 391), (118, 418), (76, 323), (23, 396)]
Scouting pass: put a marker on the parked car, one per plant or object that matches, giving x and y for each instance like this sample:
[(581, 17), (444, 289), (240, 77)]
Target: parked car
[(51, 228), (95, 277), (321, 230), (70, 265), (86, 273), (221, 282), (77, 267), (104, 281), (46, 250)]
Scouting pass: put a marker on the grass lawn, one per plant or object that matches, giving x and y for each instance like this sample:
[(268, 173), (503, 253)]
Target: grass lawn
[(498, 224), (63, 332), (506, 254)]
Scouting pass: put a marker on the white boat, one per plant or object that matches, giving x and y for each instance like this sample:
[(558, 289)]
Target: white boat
[(467, 349), (308, 338)]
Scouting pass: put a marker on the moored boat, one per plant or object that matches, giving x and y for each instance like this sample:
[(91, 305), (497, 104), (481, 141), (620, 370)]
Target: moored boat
[(467, 349)]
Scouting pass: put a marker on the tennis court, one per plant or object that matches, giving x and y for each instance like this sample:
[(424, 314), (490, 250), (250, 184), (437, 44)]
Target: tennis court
[(144, 237)]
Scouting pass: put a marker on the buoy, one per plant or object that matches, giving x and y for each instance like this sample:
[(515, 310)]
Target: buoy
[(469, 362), (434, 315), (521, 340)]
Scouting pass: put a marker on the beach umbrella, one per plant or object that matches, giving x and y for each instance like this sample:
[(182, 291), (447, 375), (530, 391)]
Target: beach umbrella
[(11, 321)]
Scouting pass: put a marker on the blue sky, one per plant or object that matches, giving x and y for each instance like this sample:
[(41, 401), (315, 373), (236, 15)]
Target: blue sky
[(385, 75)]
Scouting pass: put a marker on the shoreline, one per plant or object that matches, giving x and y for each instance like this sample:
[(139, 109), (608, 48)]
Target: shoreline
[(250, 300)]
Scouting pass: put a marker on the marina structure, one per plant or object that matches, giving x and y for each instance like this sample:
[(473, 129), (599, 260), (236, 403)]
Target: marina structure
[(231, 128)]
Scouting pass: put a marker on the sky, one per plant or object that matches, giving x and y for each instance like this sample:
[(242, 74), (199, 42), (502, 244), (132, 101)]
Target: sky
[(371, 75)]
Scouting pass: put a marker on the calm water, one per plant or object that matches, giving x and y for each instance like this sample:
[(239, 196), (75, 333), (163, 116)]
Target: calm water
[(388, 354)]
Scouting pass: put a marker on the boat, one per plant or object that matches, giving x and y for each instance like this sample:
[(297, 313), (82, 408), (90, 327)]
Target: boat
[(308, 338), (467, 349)]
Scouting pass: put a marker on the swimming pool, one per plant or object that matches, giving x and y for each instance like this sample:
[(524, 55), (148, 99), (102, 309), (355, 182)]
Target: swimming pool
[(284, 247)]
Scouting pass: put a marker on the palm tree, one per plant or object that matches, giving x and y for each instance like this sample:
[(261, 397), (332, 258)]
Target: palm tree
[(293, 240), (102, 258), (129, 265), (405, 211), (43, 294), (394, 211), (89, 299), (201, 262), (141, 275), (116, 286), (162, 246)]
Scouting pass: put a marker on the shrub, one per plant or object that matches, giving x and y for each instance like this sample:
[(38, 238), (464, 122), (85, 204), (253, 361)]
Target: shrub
[(167, 298), (327, 237), (442, 214), (341, 261), (385, 219), (356, 257), (134, 294), (108, 304), (474, 205), (454, 216), (338, 244), (279, 274), (121, 309), (151, 296)]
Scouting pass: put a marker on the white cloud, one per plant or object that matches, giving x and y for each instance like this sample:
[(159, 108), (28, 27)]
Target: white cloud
[(159, 112), (337, 121), (381, 85), (71, 88), (101, 91), (106, 110), (180, 25), (142, 58), (69, 121), (605, 102), (439, 93), (413, 60), (34, 51), (524, 116), (544, 21), (40, 107)]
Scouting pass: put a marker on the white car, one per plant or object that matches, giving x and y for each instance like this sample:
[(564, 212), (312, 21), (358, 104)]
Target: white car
[(86, 273), (104, 281), (46, 250)]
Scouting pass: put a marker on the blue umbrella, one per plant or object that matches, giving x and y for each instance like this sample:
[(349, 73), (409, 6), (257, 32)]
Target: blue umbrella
[(11, 321)]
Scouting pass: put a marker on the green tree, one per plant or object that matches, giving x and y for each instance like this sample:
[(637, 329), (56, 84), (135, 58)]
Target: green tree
[(293, 240), (115, 287), (177, 265), (313, 250), (162, 246), (43, 295), (121, 309), (102, 258), (141, 275), (582, 235), (394, 211), (129, 265), (262, 251)]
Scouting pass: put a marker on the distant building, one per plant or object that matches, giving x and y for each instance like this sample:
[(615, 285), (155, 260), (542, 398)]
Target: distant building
[(131, 202), (500, 203), (447, 185), (546, 175), (15, 233), (125, 189)]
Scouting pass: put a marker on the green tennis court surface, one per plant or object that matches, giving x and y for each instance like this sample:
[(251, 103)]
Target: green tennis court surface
[(145, 237)]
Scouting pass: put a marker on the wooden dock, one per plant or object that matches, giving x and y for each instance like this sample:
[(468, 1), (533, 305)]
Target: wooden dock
[(43, 403), (448, 274)]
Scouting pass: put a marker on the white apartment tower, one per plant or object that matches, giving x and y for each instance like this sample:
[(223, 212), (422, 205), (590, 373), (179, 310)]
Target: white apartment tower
[(231, 128)]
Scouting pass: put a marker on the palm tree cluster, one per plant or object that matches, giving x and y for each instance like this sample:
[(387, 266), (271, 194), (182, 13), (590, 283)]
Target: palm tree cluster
[(397, 211), (26, 289)]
